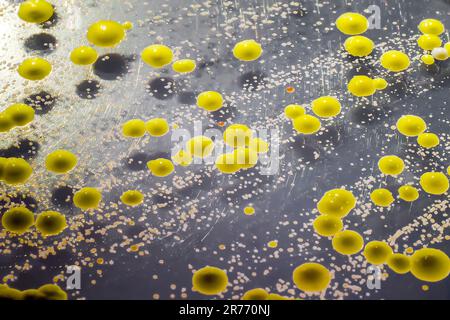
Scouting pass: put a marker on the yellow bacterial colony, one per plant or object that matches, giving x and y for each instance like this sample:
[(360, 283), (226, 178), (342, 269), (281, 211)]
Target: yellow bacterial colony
[(210, 280), (106, 33), (157, 55), (347, 242), (35, 11), (311, 277), (87, 198), (34, 69), (247, 50)]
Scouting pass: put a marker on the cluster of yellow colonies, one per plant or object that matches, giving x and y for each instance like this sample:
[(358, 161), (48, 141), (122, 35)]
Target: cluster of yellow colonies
[(324, 107), (354, 24), (431, 43), (426, 264)]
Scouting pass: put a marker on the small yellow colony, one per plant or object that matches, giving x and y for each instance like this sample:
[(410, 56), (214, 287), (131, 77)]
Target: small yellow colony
[(326, 107), (184, 66), (83, 56), (210, 100), (363, 86), (347, 242), (359, 46), (337, 203), (272, 244), (87, 198), (293, 111), (249, 211), (311, 277), (34, 69), (157, 127), (408, 193), (435, 183), (61, 161), (128, 25), (160, 167), (18, 220), (399, 263), (377, 252), (134, 128), (16, 115), (132, 198), (157, 55), (247, 50), (391, 165), (428, 59), (352, 23), (327, 225), (306, 124), (395, 61), (106, 33), (428, 140), (51, 223), (35, 11), (200, 146), (411, 126), (210, 281), (14, 171), (382, 197)]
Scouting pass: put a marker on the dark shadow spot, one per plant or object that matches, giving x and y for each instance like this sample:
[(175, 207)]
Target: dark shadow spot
[(63, 196), (206, 64), (111, 66), (223, 115), (360, 68), (24, 148), (367, 114), (330, 136), (88, 89), (43, 42), (302, 148), (430, 70), (252, 80), (50, 22), (398, 87), (166, 200), (160, 154), (137, 161), (162, 88), (189, 98), (299, 11), (19, 200), (42, 102)]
